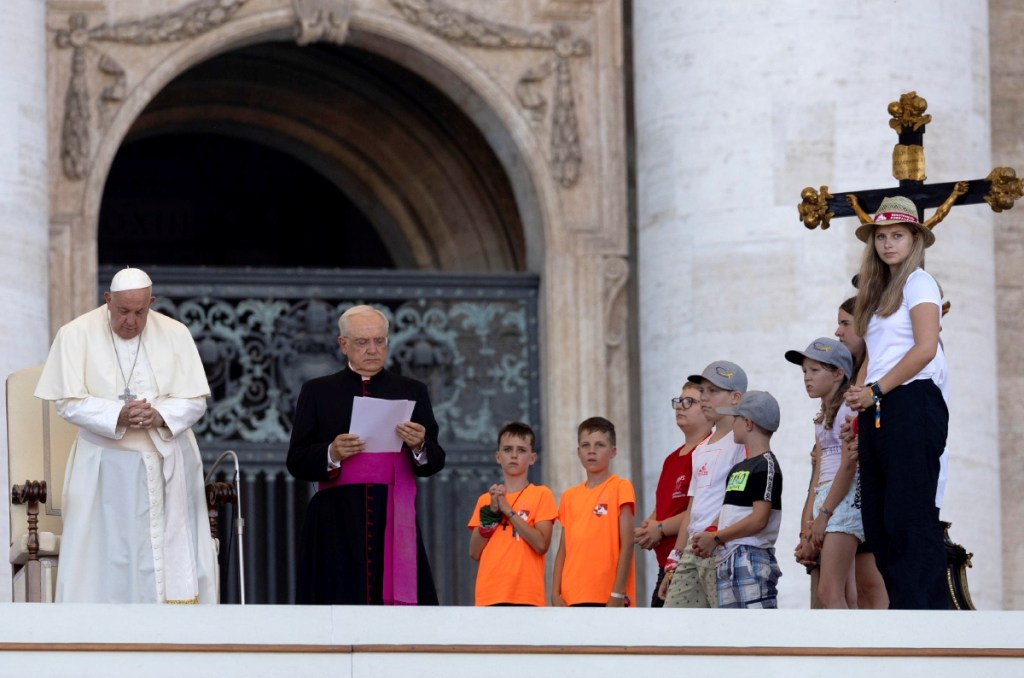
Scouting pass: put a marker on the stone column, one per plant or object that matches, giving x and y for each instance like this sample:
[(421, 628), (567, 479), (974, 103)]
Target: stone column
[(24, 333), (1007, 55), (739, 107)]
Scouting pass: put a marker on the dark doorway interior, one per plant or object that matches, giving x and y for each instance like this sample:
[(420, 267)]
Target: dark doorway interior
[(191, 199)]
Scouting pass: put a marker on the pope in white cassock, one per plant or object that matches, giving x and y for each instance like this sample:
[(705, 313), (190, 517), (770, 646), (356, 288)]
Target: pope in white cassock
[(134, 507)]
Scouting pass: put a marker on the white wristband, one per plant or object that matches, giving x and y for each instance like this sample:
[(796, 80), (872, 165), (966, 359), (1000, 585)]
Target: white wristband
[(620, 596)]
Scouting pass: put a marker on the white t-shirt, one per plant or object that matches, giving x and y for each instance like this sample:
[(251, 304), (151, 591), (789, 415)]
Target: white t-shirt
[(830, 447), (711, 465), (889, 339)]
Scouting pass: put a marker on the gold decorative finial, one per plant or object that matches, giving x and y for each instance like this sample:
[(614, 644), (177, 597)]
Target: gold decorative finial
[(909, 112), (1006, 188), (813, 208)]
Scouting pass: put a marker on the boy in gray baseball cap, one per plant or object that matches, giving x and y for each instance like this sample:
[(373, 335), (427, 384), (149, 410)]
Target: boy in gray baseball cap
[(760, 408), (692, 584), (723, 374), (743, 537)]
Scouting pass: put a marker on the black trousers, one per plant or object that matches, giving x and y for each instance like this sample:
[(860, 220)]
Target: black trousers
[(899, 473)]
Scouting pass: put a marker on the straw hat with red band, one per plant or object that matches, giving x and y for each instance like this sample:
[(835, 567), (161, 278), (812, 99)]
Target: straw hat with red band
[(897, 210)]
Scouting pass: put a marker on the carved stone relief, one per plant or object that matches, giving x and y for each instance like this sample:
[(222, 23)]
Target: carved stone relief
[(322, 20), (616, 278), (189, 21), (464, 28), (317, 20)]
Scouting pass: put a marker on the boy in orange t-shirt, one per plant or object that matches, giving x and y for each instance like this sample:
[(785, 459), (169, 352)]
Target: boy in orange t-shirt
[(511, 526), (594, 565)]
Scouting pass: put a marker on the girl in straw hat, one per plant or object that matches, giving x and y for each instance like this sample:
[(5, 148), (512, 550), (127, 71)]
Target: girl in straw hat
[(903, 417)]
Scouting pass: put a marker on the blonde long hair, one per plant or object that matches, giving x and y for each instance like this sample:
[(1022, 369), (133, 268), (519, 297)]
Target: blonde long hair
[(879, 292)]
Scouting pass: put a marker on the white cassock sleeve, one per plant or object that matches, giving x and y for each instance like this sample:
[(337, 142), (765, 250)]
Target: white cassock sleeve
[(179, 414), (94, 414), (99, 415)]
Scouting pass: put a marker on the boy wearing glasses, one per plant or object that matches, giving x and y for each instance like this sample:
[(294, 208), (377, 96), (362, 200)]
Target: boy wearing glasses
[(658, 530), (689, 579), (511, 526)]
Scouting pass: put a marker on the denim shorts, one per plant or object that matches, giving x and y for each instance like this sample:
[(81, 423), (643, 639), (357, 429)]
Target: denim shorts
[(845, 518)]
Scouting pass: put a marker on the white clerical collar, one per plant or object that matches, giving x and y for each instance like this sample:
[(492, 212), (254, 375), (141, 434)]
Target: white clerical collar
[(364, 378)]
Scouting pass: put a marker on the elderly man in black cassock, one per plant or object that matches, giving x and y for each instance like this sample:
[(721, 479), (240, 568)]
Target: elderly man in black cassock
[(360, 541)]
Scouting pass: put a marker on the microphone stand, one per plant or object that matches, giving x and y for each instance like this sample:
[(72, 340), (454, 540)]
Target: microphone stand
[(239, 521)]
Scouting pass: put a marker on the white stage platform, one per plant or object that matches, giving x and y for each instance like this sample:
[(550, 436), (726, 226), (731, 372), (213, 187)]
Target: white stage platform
[(122, 640)]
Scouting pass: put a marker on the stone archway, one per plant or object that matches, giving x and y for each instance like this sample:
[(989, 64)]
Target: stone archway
[(213, 177), (410, 159)]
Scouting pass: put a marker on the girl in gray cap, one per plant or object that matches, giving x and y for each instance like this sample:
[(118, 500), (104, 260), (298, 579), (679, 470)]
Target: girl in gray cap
[(831, 522)]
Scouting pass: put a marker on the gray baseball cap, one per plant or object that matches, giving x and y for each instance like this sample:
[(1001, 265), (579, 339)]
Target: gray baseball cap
[(723, 374), (825, 350), (759, 407)]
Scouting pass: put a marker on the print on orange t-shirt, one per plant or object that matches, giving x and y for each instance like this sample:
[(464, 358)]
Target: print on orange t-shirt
[(510, 570), (590, 521)]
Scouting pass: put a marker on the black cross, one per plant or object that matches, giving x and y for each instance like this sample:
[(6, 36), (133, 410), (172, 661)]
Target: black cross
[(999, 189)]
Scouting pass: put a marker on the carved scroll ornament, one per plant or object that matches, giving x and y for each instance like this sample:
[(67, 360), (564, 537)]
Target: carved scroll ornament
[(616, 278), (464, 28), (185, 23)]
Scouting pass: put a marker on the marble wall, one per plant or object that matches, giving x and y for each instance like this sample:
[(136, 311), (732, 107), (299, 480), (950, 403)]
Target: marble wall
[(738, 109), (1006, 23)]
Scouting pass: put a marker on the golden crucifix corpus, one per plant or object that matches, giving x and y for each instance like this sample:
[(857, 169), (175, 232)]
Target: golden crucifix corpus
[(999, 189)]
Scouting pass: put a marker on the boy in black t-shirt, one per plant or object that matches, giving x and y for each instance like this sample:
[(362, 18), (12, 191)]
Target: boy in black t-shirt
[(743, 540)]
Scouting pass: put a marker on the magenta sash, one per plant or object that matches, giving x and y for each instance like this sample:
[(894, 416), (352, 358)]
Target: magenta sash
[(393, 469)]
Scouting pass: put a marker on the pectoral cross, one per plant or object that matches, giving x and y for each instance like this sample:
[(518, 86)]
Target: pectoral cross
[(999, 189), (127, 396)]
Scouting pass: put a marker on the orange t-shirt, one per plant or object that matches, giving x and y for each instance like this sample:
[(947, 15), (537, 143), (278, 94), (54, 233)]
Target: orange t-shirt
[(510, 570), (590, 524)]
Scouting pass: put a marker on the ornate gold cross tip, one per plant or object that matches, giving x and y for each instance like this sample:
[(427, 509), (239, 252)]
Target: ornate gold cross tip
[(1000, 189)]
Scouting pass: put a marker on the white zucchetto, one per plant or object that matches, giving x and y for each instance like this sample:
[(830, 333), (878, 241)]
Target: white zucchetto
[(130, 279)]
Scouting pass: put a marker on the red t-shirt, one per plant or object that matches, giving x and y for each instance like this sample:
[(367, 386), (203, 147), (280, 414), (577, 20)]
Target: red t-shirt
[(671, 498)]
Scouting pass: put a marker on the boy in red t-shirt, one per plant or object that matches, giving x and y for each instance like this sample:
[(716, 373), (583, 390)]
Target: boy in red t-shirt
[(659, 530), (511, 526), (594, 565)]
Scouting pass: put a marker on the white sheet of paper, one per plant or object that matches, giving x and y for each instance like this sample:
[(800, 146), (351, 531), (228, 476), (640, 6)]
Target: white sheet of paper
[(374, 420)]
